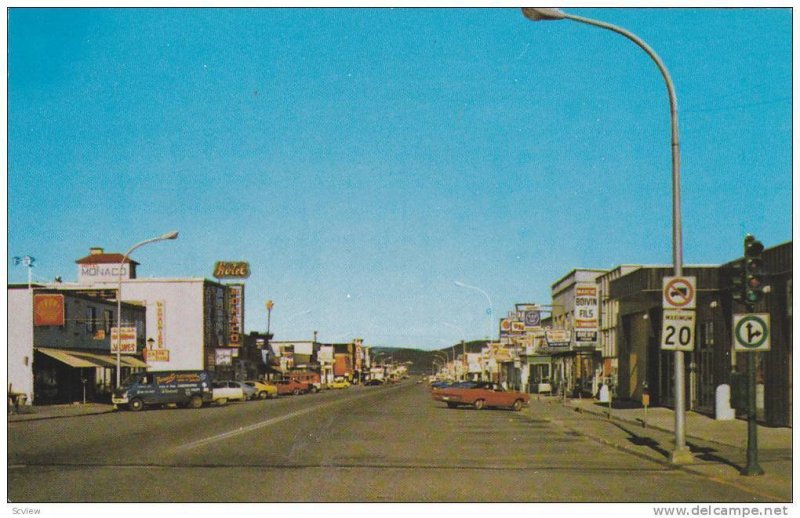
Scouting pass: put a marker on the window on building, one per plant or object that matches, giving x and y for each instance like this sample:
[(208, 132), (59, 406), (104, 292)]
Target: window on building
[(708, 333), (91, 319), (108, 318)]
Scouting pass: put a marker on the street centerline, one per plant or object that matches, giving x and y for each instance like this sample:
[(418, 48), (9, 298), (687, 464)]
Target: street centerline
[(270, 422)]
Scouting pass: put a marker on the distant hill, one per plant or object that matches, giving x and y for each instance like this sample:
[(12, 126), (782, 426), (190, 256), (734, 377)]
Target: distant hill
[(422, 360)]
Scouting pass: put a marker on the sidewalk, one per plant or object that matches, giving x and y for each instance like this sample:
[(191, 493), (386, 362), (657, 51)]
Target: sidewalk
[(33, 413), (697, 426), (719, 448)]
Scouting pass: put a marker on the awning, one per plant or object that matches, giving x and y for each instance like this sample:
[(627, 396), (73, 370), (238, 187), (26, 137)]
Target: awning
[(84, 359)]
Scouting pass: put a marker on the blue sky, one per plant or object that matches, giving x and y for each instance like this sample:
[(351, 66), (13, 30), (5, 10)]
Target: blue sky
[(363, 160)]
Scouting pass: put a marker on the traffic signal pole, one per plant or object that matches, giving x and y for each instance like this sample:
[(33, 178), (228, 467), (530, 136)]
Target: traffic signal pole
[(753, 292)]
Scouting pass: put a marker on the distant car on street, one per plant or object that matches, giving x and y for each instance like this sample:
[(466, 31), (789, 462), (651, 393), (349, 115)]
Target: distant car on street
[(374, 381), (293, 387), (481, 394), (224, 391), (339, 383), (263, 390)]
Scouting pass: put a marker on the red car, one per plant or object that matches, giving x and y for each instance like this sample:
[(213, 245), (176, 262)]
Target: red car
[(292, 386), (480, 394)]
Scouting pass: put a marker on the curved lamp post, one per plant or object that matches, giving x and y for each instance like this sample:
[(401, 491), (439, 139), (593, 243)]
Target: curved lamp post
[(169, 235), (490, 310), (681, 454)]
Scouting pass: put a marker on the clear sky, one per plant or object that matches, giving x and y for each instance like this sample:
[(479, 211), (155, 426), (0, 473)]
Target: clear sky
[(363, 160)]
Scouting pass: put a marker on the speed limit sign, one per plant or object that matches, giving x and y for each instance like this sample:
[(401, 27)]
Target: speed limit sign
[(677, 330)]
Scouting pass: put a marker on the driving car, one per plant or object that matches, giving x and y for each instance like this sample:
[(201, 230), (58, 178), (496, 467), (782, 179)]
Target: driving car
[(224, 391), (374, 381), (339, 383), (481, 394), (263, 390)]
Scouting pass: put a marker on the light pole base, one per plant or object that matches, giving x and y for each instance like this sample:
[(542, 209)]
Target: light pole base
[(752, 470), (681, 456)]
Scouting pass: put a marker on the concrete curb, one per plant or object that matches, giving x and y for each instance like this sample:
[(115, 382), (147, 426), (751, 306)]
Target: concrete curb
[(18, 418)]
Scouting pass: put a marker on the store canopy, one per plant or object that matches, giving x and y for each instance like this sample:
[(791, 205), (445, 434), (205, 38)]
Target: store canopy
[(84, 359)]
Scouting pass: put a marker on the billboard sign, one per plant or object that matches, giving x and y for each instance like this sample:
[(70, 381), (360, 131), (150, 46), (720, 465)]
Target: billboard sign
[(48, 310), (586, 315), (231, 270), (235, 314), (128, 343)]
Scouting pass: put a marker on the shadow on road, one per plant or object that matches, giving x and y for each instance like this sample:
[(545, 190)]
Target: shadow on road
[(705, 453)]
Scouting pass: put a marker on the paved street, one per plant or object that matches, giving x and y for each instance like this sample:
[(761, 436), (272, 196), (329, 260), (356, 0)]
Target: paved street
[(362, 444)]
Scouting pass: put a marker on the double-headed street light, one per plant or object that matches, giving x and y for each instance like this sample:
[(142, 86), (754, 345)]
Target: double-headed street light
[(168, 235), (681, 454)]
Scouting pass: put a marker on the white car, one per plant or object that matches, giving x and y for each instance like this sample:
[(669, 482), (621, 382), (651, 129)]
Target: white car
[(224, 391)]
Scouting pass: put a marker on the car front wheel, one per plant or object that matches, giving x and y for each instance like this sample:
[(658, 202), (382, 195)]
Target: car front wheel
[(517, 406), (479, 404), (136, 404)]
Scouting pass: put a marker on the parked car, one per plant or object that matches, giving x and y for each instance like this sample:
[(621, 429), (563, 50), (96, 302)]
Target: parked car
[(263, 390), (339, 383), (292, 386), (481, 394), (250, 392), (189, 388), (374, 381), (224, 391), (312, 378)]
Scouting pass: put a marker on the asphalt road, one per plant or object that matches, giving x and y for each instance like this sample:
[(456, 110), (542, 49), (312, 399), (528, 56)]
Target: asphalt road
[(362, 444)]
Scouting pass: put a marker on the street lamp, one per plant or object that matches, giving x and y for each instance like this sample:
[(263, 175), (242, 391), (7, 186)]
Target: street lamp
[(169, 235), (489, 310), (681, 454)]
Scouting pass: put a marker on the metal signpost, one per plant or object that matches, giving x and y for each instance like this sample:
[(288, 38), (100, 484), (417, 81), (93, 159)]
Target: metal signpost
[(677, 334), (751, 334)]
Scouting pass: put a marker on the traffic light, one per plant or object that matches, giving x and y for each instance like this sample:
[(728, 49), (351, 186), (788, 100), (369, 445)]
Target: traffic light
[(753, 270), (738, 282)]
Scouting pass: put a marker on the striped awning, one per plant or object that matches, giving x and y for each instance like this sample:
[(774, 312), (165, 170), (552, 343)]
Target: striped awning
[(81, 359)]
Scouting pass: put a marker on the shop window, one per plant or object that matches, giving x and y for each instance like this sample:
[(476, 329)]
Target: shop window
[(108, 318), (91, 322)]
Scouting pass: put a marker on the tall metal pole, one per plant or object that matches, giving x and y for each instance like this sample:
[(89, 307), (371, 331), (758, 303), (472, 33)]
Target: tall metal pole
[(681, 453), (169, 235), (490, 309)]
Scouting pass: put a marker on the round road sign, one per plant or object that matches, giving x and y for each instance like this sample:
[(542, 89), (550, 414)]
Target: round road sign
[(679, 292)]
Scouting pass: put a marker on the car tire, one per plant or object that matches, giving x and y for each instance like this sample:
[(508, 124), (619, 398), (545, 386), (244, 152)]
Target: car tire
[(195, 402), (262, 395), (314, 390), (479, 404), (517, 406), (296, 392), (135, 404)]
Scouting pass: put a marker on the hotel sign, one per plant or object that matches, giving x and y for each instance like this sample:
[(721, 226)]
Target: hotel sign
[(109, 272), (231, 270), (235, 314)]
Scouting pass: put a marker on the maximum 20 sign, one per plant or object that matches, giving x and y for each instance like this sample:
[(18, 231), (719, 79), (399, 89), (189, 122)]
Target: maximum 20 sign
[(677, 330)]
